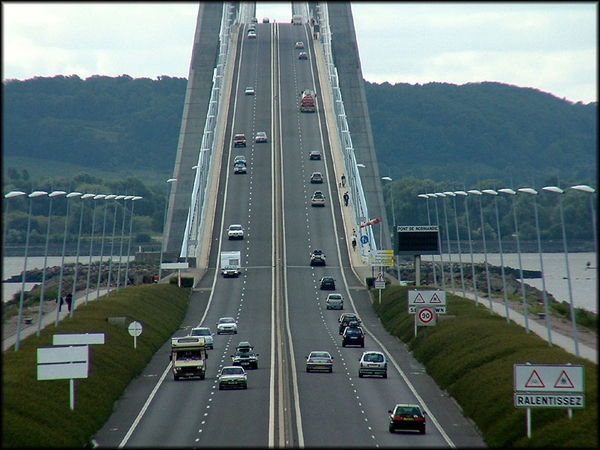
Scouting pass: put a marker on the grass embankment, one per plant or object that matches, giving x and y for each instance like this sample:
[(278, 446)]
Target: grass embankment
[(471, 353), (37, 413)]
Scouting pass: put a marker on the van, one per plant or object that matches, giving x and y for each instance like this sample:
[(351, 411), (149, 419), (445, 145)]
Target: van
[(297, 19)]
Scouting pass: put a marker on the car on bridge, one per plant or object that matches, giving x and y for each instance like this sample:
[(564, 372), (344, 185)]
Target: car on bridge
[(265, 20), (233, 377), (206, 333), (346, 319), (327, 283), (239, 140), (245, 356), (372, 363), (235, 231), (335, 301), (407, 416), (319, 360), (299, 44), (317, 258), (251, 34), (353, 336), (261, 136), (316, 177), (318, 199), (249, 91), (302, 55), (227, 325), (315, 155), (240, 167)]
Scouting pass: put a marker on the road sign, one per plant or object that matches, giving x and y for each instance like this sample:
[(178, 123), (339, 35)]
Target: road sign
[(60, 363), (135, 328), (431, 298), (425, 316), (416, 240), (364, 239), (78, 339), (555, 378), (569, 401), (379, 282), (412, 309)]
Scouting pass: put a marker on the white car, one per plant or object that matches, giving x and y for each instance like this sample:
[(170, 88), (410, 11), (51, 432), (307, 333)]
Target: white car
[(261, 136), (299, 44), (206, 333), (249, 90), (227, 325), (235, 231), (232, 377), (251, 34), (335, 301), (372, 363)]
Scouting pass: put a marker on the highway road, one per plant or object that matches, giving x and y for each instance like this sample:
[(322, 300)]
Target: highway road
[(277, 301)]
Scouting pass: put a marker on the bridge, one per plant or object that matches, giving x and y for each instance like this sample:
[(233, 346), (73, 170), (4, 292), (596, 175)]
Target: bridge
[(210, 100)]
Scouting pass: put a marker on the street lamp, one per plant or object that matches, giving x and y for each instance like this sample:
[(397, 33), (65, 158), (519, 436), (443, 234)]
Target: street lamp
[(442, 195), (62, 264), (43, 288), (87, 285), (590, 190), (426, 197), (108, 197), (129, 247), (127, 197), (523, 294), (112, 243), (10, 194), (559, 191), (460, 264), (495, 194), (437, 221), (31, 196), (539, 241), (464, 194), (487, 270), (162, 242)]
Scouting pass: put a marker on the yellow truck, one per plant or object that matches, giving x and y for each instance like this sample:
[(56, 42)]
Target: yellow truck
[(188, 357)]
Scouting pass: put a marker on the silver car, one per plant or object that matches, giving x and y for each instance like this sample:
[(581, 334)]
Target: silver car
[(206, 333), (232, 377), (372, 363), (335, 301), (319, 360), (227, 325)]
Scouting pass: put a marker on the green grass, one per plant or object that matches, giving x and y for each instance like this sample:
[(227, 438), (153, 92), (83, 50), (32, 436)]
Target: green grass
[(37, 413), (471, 352)]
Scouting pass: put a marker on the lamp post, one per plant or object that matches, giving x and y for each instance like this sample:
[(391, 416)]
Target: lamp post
[(394, 226), (89, 273), (108, 197), (523, 286), (73, 301), (590, 190), (442, 195), (43, 288), (464, 194), (437, 221), (162, 242), (62, 264), (129, 247), (487, 270), (112, 243), (426, 197), (127, 197), (31, 196), (462, 277), (559, 191), (539, 241), (495, 194), (10, 194)]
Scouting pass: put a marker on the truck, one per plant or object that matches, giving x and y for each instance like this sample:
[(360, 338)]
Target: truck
[(231, 263), (188, 357), (307, 101), (297, 19)]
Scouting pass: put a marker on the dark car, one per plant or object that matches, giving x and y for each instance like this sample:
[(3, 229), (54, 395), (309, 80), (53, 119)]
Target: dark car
[(353, 336), (315, 154), (327, 283), (316, 177), (245, 356), (240, 167), (302, 55), (407, 416), (345, 320)]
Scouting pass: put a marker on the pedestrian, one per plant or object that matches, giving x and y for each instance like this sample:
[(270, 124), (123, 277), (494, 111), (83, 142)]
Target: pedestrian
[(353, 241), (343, 180), (69, 301), (60, 302), (346, 198)]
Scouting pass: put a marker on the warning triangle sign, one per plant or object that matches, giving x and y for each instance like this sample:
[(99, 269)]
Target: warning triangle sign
[(535, 381), (380, 277), (435, 299), (419, 298), (564, 381)]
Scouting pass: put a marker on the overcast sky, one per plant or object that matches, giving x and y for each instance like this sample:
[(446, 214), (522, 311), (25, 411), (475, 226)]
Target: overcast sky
[(552, 47)]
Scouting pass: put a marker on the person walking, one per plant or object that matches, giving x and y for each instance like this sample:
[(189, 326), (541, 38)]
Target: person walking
[(354, 241), (69, 301), (346, 198), (343, 180)]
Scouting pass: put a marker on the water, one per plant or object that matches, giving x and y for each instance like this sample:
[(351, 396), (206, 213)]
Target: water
[(584, 286)]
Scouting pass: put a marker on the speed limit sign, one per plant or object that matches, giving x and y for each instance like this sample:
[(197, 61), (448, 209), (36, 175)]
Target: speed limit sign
[(425, 316)]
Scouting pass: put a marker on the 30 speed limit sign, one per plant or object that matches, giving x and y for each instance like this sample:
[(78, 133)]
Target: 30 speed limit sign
[(425, 316)]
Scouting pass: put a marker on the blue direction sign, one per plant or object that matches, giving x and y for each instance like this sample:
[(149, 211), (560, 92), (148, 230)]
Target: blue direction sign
[(364, 239)]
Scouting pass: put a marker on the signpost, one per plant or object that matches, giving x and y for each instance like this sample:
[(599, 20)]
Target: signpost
[(416, 240), (135, 329), (548, 386), (433, 299)]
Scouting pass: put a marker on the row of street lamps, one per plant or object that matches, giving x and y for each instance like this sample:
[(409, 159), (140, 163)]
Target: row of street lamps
[(492, 192), (69, 196)]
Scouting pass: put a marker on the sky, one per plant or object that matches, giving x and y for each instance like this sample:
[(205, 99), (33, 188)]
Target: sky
[(552, 47)]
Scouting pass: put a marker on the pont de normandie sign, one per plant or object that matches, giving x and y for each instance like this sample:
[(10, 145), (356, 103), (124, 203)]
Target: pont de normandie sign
[(416, 240)]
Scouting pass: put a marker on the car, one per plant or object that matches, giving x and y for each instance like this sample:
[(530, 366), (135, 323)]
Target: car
[(299, 44), (254, 20), (407, 416), (314, 155), (316, 177), (327, 283), (345, 319), (302, 55), (319, 360), (227, 325), (240, 167), (261, 136), (232, 377), (239, 140), (353, 336), (251, 34), (245, 356), (235, 231), (372, 363), (317, 258), (249, 91), (206, 333), (239, 159), (335, 301), (265, 20), (317, 199)]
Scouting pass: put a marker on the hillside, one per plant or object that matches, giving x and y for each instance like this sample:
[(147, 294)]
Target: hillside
[(121, 126)]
